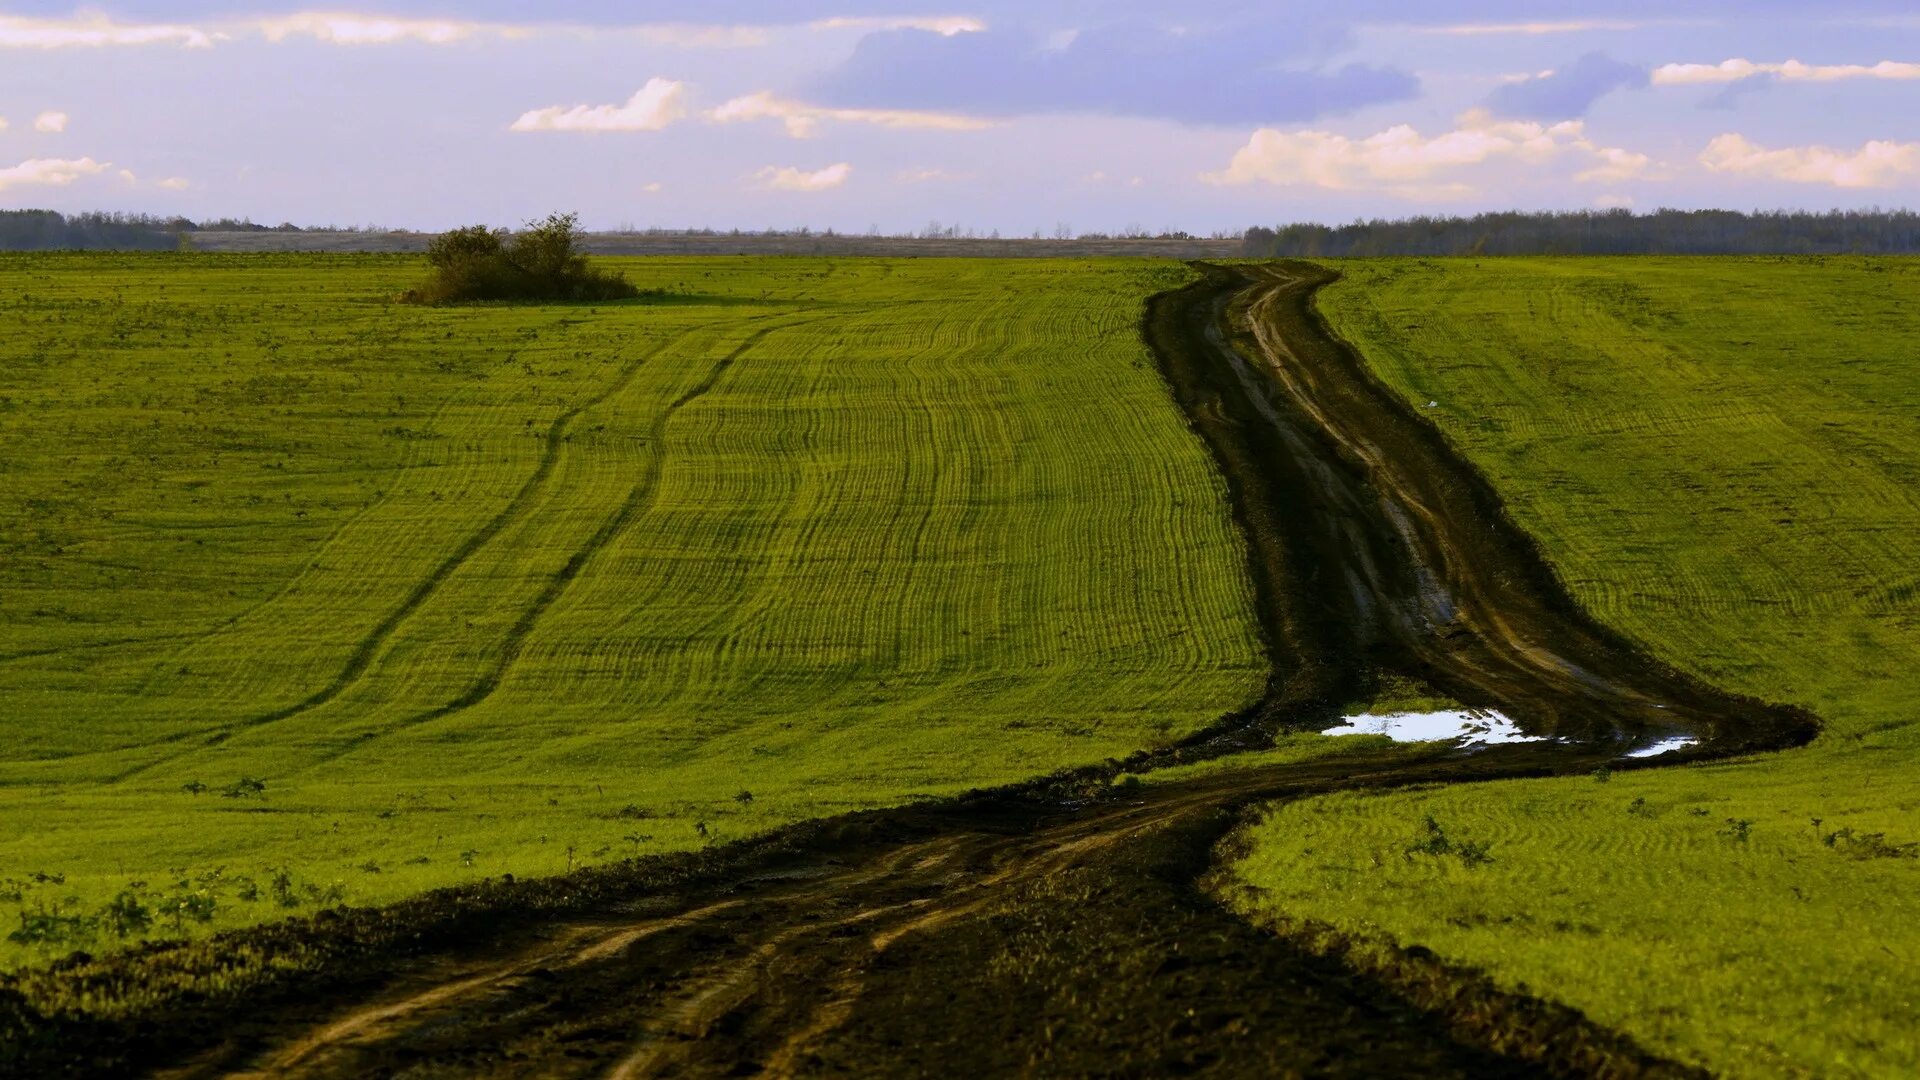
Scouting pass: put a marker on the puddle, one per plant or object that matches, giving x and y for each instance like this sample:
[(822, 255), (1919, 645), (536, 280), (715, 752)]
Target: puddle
[(1664, 746), (1478, 727)]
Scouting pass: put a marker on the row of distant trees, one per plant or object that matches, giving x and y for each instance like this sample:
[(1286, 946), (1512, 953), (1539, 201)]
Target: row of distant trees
[(1605, 232), (46, 230), (1608, 232)]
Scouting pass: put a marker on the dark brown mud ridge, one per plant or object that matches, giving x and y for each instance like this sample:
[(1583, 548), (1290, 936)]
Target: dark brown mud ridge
[(1055, 928)]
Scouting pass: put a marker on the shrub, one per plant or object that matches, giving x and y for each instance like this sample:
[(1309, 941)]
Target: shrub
[(541, 262)]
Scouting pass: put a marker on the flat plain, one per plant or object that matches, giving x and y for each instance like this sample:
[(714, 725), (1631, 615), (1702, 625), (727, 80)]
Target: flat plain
[(1720, 457), (310, 597)]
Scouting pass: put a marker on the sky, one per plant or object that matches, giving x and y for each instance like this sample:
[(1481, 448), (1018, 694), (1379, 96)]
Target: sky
[(1015, 116)]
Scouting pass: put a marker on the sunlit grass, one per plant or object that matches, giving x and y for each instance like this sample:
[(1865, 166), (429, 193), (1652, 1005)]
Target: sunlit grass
[(1722, 458), (487, 590)]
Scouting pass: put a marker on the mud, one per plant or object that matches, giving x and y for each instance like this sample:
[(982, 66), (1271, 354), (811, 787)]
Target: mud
[(1052, 929)]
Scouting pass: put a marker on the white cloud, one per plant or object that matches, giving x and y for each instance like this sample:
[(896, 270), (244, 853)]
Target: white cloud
[(3, 123), (94, 30), (788, 178), (50, 172), (652, 107), (1614, 202), (1613, 164), (175, 183), (340, 28), (803, 120), (90, 29), (945, 25), (1570, 26), (1402, 160), (654, 188), (1792, 70), (1877, 164), (50, 122)]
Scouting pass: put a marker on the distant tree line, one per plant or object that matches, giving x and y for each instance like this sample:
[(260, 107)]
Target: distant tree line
[(47, 230), (1603, 232)]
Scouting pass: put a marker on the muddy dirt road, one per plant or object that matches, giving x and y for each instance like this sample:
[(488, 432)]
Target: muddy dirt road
[(1059, 929)]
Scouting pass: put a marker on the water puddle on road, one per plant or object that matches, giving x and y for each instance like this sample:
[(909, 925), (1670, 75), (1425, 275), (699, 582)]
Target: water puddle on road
[(1474, 727), (1664, 746)]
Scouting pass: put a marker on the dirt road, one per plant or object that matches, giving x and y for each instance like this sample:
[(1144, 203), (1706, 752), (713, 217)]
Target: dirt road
[(1059, 929)]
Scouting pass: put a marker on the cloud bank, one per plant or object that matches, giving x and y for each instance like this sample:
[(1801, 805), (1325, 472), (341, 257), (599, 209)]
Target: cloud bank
[(94, 30), (1876, 164), (50, 172), (1736, 70), (1402, 161), (804, 120)]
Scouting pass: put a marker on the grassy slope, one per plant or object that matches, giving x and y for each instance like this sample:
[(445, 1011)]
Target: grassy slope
[(1723, 459), (562, 585)]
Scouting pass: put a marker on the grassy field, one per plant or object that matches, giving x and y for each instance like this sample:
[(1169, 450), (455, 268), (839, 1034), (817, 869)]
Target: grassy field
[(1722, 457), (308, 596)]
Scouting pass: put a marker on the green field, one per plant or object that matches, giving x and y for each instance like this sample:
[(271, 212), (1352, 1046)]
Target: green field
[(1722, 458), (306, 595)]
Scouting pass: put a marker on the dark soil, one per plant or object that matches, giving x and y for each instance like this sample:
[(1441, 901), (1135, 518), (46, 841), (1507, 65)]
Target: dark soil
[(1056, 928)]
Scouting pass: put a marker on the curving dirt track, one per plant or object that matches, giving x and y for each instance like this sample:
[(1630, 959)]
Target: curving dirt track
[(1058, 928)]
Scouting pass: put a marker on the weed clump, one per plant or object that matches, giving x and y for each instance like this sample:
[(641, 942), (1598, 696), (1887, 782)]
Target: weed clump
[(542, 262), (1869, 845), (1434, 841)]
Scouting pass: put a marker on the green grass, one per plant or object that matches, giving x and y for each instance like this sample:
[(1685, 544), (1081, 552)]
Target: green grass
[(508, 589), (1722, 458)]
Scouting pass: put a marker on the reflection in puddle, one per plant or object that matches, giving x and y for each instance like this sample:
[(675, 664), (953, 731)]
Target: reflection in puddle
[(1477, 726), (1664, 746)]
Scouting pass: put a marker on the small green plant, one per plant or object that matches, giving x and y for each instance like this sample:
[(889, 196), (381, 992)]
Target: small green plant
[(280, 886), (127, 915), (1434, 841), (52, 924), (246, 787), (1868, 845), (1603, 774), (197, 906), (1739, 829)]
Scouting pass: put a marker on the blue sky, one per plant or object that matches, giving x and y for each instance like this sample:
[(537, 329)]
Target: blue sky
[(1009, 116)]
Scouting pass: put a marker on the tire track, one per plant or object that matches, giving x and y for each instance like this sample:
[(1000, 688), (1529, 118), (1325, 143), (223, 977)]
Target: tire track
[(370, 646), (639, 498)]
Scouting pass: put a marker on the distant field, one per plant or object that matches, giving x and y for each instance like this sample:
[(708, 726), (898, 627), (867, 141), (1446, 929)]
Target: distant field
[(306, 595), (1722, 457)]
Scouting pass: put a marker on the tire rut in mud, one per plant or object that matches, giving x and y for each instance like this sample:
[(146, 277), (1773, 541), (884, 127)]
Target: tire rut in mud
[(1056, 927)]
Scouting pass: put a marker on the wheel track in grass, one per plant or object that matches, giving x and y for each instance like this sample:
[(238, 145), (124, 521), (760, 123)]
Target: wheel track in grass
[(1056, 927), (638, 499), (370, 646)]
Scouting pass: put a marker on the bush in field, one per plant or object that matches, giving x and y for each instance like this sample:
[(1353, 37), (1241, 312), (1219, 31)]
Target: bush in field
[(541, 262)]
